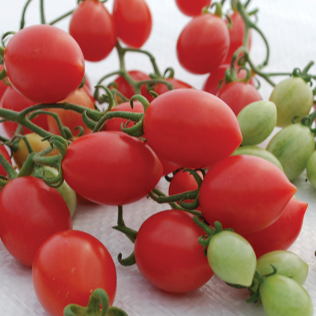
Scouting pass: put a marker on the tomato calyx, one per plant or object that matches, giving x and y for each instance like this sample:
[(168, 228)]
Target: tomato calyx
[(218, 9), (98, 298), (297, 73)]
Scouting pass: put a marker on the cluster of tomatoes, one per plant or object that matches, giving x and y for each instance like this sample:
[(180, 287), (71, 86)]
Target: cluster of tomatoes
[(230, 199)]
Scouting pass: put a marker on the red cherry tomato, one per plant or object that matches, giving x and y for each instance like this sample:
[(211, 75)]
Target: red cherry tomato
[(3, 86), (246, 193), (237, 95), (168, 254), (132, 21), (44, 63), (282, 233), (203, 44), (13, 100), (191, 128), (30, 212), (7, 157), (192, 8), (105, 162), (236, 35), (93, 28), (68, 267), (69, 118)]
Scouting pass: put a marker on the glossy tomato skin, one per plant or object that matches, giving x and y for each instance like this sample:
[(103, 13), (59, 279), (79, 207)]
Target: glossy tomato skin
[(38, 67), (203, 44), (68, 118), (93, 28), (13, 100), (30, 212), (101, 167), (246, 193), (168, 254), (4, 152), (236, 35), (281, 234), (133, 21), (191, 128), (192, 8), (237, 95), (68, 267)]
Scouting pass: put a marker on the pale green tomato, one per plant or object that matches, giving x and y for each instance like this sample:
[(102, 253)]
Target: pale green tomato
[(257, 121), (292, 97), (282, 296), (259, 152), (293, 146), (311, 169), (232, 258)]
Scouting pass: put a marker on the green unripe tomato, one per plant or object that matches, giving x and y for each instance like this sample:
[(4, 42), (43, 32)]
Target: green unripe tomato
[(257, 121), (311, 169), (282, 296), (232, 258), (68, 194), (259, 152), (293, 146), (292, 97)]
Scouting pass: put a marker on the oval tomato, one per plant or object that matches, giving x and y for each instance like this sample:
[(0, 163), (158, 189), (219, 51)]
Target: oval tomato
[(111, 168), (191, 128), (68, 267), (68, 118), (168, 254), (237, 95), (246, 193), (13, 100), (28, 218), (38, 67), (281, 234), (203, 44), (7, 157), (132, 21), (192, 8), (93, 28)]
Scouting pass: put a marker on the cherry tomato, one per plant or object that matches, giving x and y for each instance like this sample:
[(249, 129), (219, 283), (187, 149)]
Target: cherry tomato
[(236, 35), (3, 86), (246, 193), (93, 28), (192, 8), (7, 157), (68, 267), (132, 21), (232, 258), (30, 212), (281, 234), (203, 44), (69, 118), (237, 95), (105, 162), (181, 127), (38, 67), (13, 100), (168, 254)]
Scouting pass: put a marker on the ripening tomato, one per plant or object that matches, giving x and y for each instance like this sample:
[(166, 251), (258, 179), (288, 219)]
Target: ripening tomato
[(236, 35), (101, 167), (168, 254), (68, 118), (132, 21), (237, 95), (7, 157), (68, 267), (192, 8), (30, 212), (93, 28), (281, 234), (191, 128), (13, 100), (246, 193), (203, 44), (44, 63)]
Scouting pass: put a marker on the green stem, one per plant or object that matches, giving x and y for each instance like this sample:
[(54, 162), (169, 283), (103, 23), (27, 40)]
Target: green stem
[(61, 17), (2, 53), (8, 168), (43, 21), (22, 23)]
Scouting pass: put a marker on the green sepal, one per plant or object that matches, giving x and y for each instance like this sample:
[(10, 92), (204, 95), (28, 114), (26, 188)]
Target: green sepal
[(129, 261)]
